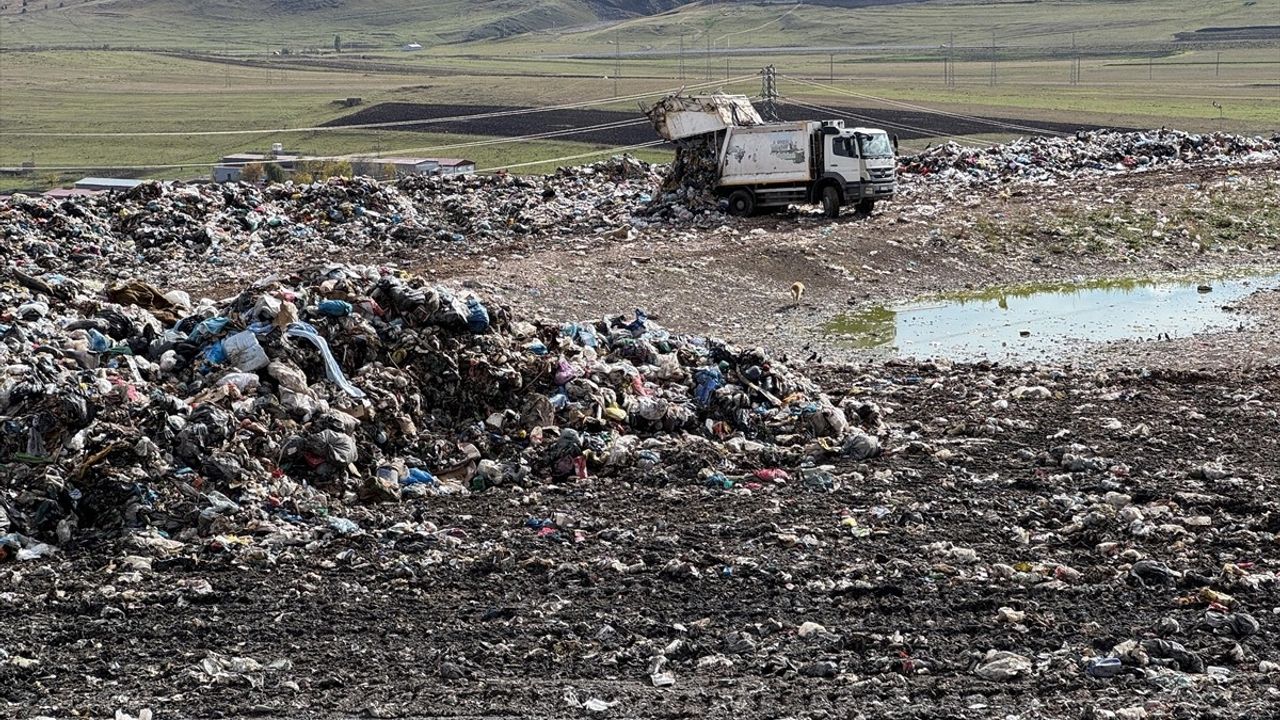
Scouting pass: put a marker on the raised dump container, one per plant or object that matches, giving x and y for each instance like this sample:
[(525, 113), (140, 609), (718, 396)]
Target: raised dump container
[(677, 117)]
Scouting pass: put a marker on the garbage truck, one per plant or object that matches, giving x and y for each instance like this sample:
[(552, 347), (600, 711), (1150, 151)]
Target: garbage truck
[(758, 166)]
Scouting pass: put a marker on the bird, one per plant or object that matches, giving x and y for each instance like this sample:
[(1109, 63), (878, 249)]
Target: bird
[(797, 291)]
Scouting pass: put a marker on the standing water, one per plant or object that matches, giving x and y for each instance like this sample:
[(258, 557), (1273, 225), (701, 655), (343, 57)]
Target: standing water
[(1043, 321)]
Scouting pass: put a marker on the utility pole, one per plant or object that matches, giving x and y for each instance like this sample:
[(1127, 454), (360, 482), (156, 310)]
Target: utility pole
[(831, 68), (1217, 65), (617, 61), (1151, 67), (993, 58), (949, 63), (708, 26), (769, 91), (1075, 61), (708, 54), (726, 58)]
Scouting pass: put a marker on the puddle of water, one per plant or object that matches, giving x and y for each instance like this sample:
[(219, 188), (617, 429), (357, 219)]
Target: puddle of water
[(1046, 320)]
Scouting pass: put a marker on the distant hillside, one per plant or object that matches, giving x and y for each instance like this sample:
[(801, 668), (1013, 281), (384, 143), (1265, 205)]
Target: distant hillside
[(174, 23), (235, 24), (367, 23), (589, 25)]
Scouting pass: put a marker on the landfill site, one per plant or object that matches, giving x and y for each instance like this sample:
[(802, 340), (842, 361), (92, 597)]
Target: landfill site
[(595, 444)]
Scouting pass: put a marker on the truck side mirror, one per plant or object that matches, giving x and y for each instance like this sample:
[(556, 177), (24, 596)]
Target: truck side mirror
[(895, 142)]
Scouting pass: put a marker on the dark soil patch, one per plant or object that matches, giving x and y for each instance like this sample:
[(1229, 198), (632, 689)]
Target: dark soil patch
[(441, 119)]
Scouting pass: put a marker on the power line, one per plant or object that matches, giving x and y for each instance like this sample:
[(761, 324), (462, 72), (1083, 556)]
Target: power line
[(921, 108), (507, 140), (369, 126), (351, 156), (878, 121)]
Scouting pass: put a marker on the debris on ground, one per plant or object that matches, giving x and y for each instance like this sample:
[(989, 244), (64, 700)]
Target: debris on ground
[(1045, 159), (275, 407), (251, 465)]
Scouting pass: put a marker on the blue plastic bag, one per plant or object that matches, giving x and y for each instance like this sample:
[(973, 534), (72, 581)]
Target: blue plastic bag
[(477, 315), (707, 380), (215, 353), (418, 476), (98, 342), (334, 308), (584, 334), (208, 328), (637, 326)]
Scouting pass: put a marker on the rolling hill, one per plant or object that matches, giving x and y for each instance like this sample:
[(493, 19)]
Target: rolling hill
[(590, 25), (363, 24)]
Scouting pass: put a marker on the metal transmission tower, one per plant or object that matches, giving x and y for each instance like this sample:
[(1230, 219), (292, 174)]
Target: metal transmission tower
[(769, 91), (681, 57), (1075, 61)]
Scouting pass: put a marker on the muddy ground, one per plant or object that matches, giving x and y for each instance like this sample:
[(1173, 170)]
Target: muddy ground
[(1096, 504), (494, 620), (735, 280)]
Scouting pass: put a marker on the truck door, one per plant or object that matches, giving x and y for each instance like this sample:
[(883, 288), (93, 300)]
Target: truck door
[(842, 158)]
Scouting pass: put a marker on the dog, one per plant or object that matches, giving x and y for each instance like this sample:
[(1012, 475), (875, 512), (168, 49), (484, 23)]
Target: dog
[(797, 292)]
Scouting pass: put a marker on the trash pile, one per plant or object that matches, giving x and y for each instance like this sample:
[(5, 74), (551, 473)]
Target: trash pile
[(189, 227), (1045, 159), (196, 231), (688, 183), (127, 406)]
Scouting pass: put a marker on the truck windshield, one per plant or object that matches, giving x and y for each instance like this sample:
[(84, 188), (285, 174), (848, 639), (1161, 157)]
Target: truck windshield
[(875, 146)]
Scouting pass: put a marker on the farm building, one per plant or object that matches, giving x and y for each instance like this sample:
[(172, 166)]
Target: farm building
[(231, 167), (392, 167), (386, 168), (456, 166)]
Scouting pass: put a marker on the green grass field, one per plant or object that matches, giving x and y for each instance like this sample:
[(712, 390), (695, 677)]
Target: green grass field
[(218, 68)]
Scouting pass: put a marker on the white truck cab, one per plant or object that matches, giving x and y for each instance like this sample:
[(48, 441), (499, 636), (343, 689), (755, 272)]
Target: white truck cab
[(861, 161)]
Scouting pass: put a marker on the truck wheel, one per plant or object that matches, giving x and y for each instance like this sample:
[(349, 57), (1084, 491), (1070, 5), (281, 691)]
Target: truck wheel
[(866, 205), (742, 203), (831, 201)]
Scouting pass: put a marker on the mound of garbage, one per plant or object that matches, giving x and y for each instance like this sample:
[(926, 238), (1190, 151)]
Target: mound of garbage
[(125, 406), (168, 223), (1047, 159), (688, 183)]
